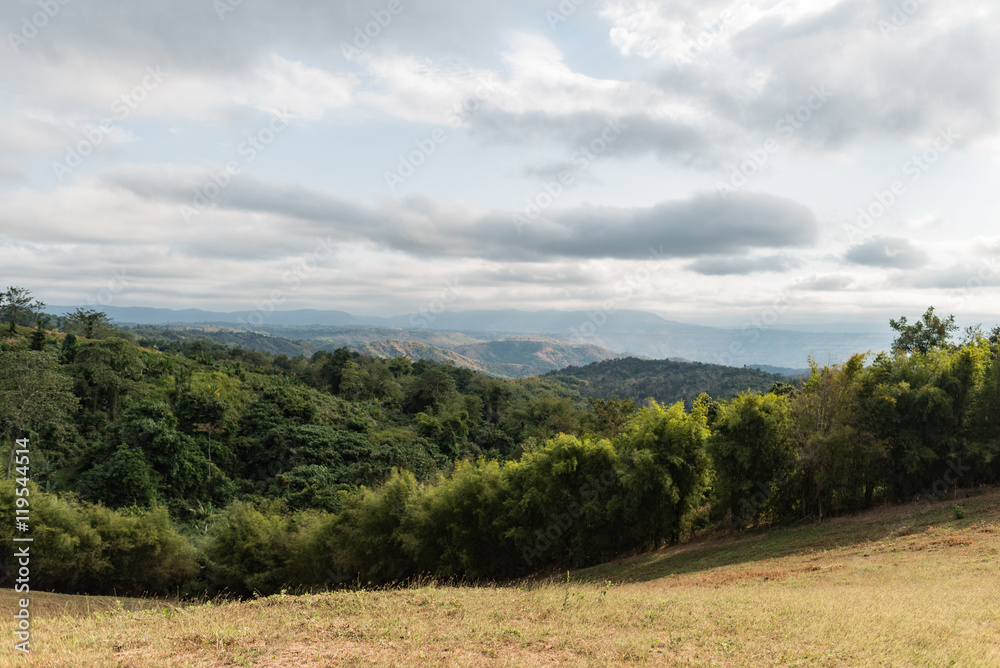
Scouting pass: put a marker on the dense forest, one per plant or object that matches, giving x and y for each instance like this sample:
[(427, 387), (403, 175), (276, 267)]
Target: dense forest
[(196, 467), (664, 380)]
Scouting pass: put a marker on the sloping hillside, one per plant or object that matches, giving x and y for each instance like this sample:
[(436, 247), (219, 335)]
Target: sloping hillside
[(514, 358)]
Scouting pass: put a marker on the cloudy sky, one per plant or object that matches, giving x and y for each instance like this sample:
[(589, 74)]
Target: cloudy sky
[(710, 161)]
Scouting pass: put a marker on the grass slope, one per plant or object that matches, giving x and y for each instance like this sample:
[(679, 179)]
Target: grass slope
[(897, 586)]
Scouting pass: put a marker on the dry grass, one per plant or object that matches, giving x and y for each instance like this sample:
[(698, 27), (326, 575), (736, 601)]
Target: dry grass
[(895, 587)]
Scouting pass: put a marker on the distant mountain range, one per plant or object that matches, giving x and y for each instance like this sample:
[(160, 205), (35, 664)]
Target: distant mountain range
[(515, 357), (596, 333)]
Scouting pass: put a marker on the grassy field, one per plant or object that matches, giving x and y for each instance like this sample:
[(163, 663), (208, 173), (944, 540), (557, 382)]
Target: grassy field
[(899, 586)]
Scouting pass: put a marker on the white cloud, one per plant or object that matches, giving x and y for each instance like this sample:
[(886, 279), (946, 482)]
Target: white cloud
[(698, 85), (293, 90)]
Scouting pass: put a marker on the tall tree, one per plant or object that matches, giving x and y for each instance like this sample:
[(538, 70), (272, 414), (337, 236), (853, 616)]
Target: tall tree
[(667, 469), (38, 337), (67, 354), (839, 456), (31, 390), (18, 306), (753, 453), (107, 370), (924, 335), (88, 323)]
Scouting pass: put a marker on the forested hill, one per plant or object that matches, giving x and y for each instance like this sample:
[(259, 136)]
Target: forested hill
[(193, 466), (666, 381)]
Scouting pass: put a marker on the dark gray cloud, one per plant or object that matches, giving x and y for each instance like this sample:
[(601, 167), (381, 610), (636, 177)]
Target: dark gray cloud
[(207, 36), (971, 277), (932, 72), (888, 252), (702, 225), (732, 266), (579, 132)]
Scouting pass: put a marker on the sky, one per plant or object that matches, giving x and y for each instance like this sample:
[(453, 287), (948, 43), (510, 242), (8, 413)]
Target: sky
[(783, 161)]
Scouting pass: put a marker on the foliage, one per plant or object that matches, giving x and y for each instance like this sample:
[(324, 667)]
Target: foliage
[(342, 468), (924, 335), (611, 415), (88, 323), (668, 472), (752, 453), (19, 307), (32, 393), (665, 381), (78, 547)]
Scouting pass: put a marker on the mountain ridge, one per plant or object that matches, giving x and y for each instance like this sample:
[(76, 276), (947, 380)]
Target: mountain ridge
[(623, 332)]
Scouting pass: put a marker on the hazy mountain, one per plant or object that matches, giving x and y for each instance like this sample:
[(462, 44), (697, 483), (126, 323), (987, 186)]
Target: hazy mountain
[(784, 371), (622, 332), (508, 358), (515, 357), (138, 315)]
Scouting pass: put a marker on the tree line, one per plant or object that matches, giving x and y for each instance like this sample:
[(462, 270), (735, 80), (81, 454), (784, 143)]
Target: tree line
[(244, 472)]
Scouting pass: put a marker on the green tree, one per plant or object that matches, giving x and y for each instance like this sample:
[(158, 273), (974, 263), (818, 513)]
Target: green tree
[(985, 420), (447, 424), (665, 470), (751, 448), (840, 456), (19, 306), (67, 354), (180, 465), (91, 548), (252, 548), (431, 387), (31, 391), (124, 479), (310, 486), (38, 338), (331, 370), (563, 504), (88, 323), (368, 379), (107, 371), (611, 415), (365, 538), (452, 529), (924, 335)]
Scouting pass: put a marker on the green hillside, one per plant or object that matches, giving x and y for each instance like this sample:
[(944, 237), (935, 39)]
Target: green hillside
[(906, 585), (165, 466), (663, 380)]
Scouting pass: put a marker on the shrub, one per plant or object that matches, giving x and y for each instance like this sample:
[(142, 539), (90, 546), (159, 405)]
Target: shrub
[(83, 548), (364, 539), (453, 528), (562, 504)]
